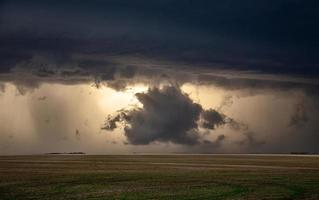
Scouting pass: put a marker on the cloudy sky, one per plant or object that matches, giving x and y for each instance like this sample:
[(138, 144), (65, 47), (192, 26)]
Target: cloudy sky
[(150, 76)]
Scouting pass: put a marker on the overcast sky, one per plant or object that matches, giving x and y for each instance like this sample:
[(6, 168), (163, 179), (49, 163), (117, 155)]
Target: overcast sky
[(191, 76)]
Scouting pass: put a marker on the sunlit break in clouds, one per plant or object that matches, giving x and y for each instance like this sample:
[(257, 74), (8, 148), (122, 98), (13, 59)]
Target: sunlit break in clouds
[(122, 77)]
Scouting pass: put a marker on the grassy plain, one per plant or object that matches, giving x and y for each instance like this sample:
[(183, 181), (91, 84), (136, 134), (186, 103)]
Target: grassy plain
[(159, 177)]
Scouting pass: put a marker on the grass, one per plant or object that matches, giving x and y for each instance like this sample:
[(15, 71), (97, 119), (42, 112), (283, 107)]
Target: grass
[(159, 177)]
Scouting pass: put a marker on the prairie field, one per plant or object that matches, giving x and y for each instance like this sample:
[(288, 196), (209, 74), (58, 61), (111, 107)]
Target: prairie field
[(159, 177)]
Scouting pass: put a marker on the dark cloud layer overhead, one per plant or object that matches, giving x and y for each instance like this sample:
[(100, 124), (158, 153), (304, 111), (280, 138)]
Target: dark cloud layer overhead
[(268, 36), (113, 41)]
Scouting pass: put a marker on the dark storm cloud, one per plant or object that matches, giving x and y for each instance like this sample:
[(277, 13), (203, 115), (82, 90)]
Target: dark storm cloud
[(81, 44), (43, 72), (9, 60), (212, 119), (112, 120), (259, 85), (128, 71), (105, 68), (167, 115), (276, 36), (204, 42), (74, 73)]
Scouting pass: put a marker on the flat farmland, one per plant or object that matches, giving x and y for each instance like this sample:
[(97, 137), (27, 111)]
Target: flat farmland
[(159, 177)]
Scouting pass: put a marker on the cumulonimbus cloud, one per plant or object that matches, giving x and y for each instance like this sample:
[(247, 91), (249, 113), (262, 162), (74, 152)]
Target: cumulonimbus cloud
[(167, 115)]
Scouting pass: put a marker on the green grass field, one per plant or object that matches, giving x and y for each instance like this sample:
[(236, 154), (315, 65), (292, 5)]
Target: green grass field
[(159, 177)]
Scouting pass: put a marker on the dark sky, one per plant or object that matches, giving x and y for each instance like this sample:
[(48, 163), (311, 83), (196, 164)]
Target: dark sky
[(159, 76), (268, 36)]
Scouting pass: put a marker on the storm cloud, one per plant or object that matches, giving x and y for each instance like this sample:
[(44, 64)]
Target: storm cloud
[(276, 37), (167, 115), (212, 119), (242, 73)]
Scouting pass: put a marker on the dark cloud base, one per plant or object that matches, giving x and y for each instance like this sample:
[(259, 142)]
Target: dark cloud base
[(268, 36)]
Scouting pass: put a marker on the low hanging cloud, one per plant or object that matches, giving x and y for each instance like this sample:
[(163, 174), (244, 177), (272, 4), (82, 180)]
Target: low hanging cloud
[(167, 115), (212, 119)]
